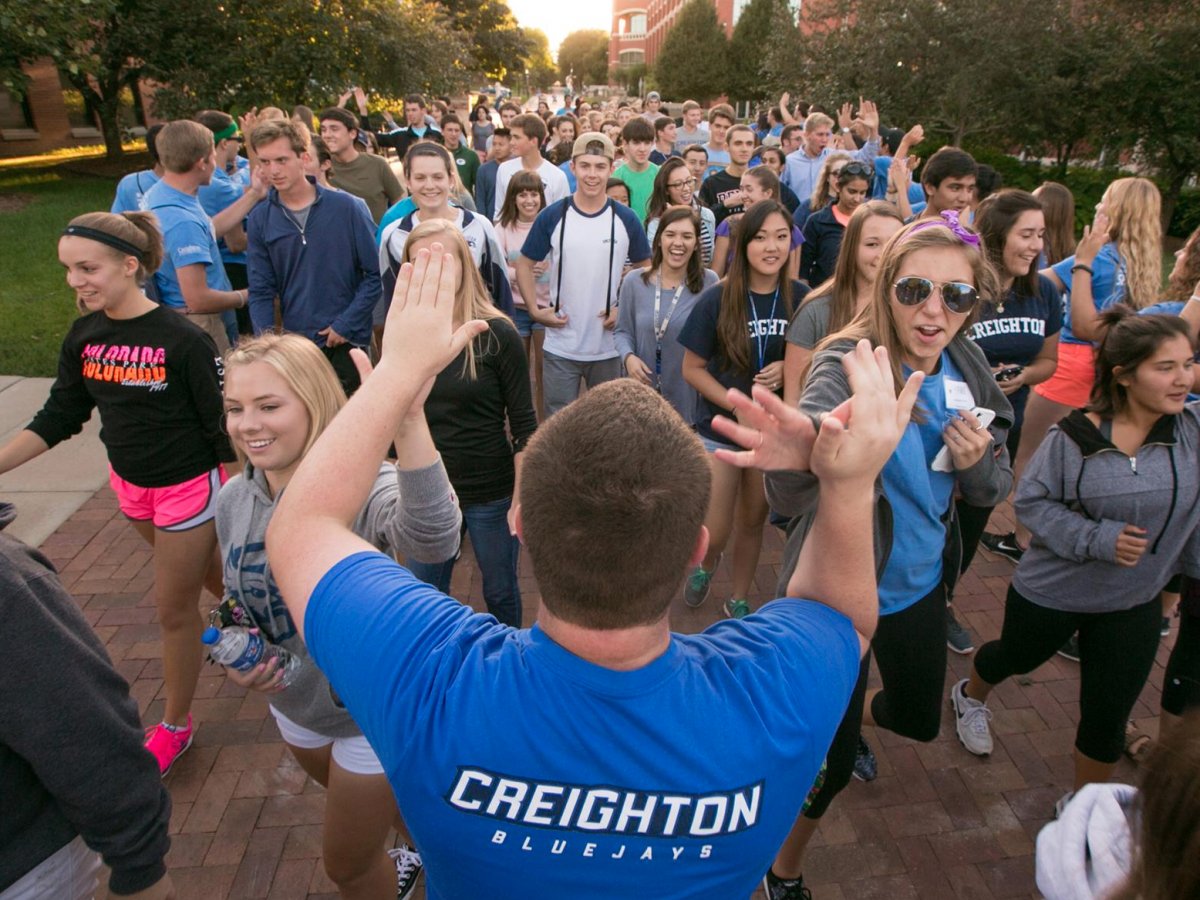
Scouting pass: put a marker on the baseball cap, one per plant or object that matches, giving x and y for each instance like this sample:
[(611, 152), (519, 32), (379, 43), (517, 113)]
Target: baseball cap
[(653, 95), (593, 143)]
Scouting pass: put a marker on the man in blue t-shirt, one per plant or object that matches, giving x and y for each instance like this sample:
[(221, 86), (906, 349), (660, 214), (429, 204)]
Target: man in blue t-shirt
[(131, 190), (596, 754), (192, 277)]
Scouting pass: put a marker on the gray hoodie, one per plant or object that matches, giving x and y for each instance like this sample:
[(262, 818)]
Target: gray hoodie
[(1079, 492), (408, 513), (794, 494)]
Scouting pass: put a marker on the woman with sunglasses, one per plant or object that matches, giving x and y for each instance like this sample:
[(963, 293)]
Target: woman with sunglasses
[(655, 302), (825, 228), (930, 279), (674, 185)]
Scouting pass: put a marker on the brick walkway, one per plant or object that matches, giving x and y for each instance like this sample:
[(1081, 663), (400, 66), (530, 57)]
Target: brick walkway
[(938, 822)]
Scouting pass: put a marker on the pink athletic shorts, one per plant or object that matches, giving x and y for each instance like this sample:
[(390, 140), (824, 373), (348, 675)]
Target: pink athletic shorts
[(1071, 383), (177, 507)]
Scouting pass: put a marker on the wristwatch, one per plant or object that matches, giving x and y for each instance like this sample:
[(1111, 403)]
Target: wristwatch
[(845, 131)]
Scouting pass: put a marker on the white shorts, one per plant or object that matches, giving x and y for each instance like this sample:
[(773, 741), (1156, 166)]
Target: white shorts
[(67, 874), (354, 754)]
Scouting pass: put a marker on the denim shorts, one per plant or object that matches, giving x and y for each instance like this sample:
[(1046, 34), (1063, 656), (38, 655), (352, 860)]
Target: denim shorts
[(524, 322), (712, 445)]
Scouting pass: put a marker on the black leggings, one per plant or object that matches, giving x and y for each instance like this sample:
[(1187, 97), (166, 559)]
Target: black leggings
[(910, 651), (972, 520), (1116, 653), (1181, 684)]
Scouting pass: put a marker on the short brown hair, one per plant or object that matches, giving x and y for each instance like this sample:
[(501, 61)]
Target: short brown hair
[(637, 129), (266, 132), (182, 144), (613, 493), (531, 125), (721, 111)]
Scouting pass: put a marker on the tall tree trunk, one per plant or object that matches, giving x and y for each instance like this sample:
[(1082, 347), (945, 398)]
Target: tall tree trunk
[(1174, 188), (110, 106)]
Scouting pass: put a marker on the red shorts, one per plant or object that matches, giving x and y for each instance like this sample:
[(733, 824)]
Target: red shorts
[(177, 507), (1071, 383)]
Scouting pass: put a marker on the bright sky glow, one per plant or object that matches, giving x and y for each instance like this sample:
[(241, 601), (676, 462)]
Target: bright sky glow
[(558, 18)]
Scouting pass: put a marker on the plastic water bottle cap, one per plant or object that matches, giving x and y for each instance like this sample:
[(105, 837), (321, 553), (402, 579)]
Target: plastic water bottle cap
[(211, 635)]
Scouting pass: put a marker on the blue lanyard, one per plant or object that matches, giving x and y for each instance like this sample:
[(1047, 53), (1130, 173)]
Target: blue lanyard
[(660, 327), (761, 340)]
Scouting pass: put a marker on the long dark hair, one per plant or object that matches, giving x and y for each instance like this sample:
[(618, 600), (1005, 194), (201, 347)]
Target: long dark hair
[(735, 293), (694, 274), (994, 219), (660, 196), (1128, 341)]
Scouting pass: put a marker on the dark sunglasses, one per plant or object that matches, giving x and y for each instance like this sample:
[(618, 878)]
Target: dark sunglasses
[(913, 290), (855, 170)]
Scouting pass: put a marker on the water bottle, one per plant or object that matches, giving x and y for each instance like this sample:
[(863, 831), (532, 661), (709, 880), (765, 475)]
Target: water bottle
[(243, 649)]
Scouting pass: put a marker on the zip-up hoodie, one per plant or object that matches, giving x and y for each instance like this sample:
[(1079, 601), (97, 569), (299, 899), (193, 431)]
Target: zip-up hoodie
[(410, 513), (326, 273), (1078, 494), (794, 494)]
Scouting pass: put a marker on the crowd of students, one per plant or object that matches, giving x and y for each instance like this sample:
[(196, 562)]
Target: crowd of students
[(620, 341)]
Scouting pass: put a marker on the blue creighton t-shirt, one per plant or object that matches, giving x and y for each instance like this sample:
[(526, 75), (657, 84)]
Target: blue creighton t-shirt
[(919, 498), (524, 771), (1108, 285)]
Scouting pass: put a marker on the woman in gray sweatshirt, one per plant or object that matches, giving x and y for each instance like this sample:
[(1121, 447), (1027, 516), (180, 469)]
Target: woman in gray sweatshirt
[(280, 394), (1112, 498)]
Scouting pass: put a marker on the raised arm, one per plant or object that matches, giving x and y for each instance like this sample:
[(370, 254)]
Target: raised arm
[(1085, 319), (310, 531)]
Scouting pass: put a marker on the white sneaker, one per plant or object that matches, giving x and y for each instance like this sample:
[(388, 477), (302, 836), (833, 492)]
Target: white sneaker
[(408, 870), (971, 721)]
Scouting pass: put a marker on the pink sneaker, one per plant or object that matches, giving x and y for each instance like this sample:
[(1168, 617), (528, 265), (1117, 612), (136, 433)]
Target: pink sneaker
[(167, 746)]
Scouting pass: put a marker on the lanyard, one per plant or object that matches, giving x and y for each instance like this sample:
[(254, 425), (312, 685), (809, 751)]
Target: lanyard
[(660, 328), (761, 340)]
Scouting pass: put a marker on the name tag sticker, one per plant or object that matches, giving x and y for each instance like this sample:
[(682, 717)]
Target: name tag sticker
[(958, 395)]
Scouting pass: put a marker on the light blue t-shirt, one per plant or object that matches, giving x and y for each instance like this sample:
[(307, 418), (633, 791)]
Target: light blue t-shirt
[(395, 213), (131, 191), (919, 498), (1108, 286), (717, 160), (222, 192), (188, 239), (883, 165), (525, 771)]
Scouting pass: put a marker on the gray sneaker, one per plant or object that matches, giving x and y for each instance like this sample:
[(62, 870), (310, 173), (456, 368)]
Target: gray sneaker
[(971, 721), (698, 584), (958, 638)]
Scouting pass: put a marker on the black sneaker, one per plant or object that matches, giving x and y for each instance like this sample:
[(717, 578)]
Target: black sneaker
[(777, 888), (958, 638), (1070, 650), (865, 766), (408, 870), (1003, 545)]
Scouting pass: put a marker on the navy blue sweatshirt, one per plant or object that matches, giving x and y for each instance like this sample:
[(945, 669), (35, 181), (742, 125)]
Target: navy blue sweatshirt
[(326, 273), (822, 241)]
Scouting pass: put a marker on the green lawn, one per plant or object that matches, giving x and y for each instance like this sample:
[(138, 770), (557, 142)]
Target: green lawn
[(36, 307)]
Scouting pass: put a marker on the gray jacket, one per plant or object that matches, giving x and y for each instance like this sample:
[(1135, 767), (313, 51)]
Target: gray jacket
[(409, 513), (1078, 494), (794, 494)]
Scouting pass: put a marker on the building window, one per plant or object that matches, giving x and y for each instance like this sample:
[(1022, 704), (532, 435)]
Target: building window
[(15, 114), (637, 23), (631, 57)]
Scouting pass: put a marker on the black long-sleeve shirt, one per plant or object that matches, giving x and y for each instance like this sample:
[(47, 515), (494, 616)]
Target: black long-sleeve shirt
[(156, 380), (467, 417), (71, 755)]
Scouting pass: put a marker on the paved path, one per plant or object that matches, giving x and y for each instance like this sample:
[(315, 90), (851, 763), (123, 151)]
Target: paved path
[(938, 823)]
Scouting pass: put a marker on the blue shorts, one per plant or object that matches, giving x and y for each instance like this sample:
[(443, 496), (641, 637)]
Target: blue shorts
[(524, 322), (712, 445)]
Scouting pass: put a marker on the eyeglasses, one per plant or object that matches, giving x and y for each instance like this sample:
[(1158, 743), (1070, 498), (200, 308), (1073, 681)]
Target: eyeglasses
[(675, 185), (913, 290), (854, 170)]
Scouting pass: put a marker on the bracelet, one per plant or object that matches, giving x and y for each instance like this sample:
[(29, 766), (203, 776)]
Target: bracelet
[(1081, 267), (245, 295), (1195, 298)]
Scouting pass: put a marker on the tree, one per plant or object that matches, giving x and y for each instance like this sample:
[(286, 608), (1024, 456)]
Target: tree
[(751, 36), (35, 30), (691, 62), (540, 65), (498, 44), (584, 53)]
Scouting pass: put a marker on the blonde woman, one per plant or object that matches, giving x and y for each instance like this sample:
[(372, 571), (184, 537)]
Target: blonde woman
[(280, 394), (480, 411)]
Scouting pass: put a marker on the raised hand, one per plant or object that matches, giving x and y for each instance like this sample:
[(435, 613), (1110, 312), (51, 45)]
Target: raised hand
[(778, 437), (858, 437), (869, 113), (1094, 238), (846, 115)]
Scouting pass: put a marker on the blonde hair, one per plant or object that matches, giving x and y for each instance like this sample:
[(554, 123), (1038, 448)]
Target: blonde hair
[(1134, 208), (137, 228), (471, 300), (877, 321), (300, 363), (821, 194), (183, 143)]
